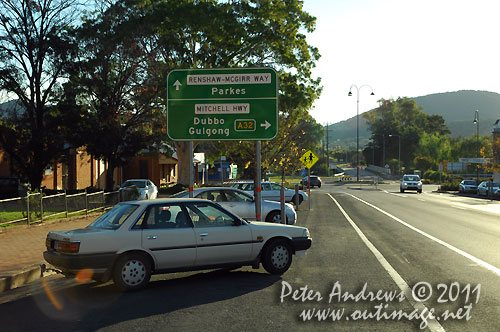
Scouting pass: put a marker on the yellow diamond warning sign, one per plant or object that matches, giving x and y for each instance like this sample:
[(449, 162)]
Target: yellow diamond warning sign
[(309, 159)]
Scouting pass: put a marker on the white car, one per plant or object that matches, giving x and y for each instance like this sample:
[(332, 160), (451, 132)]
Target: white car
[(147, 189), (410, 182), (242, 203), (271, 191), (136, 239)]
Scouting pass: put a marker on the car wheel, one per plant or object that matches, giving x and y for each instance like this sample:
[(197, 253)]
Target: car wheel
[(419, 191), (277, 257), (319, 185), (402, 190), (132, 272), (274, 216)]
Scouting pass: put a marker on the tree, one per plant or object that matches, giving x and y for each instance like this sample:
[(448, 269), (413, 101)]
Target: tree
[(35, 51), (434, 146), (238, 34), (111, 82), (403, 118)]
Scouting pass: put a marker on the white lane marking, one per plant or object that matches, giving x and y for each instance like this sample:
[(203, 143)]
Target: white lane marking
[(422, 200), (433, 324), (476, 260)]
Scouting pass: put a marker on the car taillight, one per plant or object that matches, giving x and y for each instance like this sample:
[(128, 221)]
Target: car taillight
[(68, 247)]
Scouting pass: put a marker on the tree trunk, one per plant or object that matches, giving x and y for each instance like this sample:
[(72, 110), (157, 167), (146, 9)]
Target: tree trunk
[(182, 149), (110, 182)]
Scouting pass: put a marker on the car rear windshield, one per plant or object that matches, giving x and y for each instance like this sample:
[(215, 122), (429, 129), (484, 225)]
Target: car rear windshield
[(115, 217), (470, 183)]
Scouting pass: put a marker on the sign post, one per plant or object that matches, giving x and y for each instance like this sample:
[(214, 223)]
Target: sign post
[(309, 159), (223, 104)]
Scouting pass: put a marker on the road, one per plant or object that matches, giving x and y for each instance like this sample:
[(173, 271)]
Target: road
[(366, 240)]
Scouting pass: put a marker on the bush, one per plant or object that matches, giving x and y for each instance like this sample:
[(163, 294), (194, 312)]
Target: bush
[(434, 176), (450, 186)]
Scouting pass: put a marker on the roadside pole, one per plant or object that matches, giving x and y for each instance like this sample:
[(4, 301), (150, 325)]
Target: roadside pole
[(258, 203), (191, 169), (309, 186), (282, 205)]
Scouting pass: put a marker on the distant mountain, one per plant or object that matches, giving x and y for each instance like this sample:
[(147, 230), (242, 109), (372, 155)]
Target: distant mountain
[(457, 108)]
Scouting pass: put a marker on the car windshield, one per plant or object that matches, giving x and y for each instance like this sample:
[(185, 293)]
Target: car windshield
[(115, 217), (411, 178), (137, 183)]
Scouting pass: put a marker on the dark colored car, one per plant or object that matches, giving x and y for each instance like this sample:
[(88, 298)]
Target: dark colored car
[(315, 181)]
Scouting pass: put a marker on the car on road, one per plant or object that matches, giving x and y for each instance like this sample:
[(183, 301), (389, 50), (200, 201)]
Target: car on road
[(315, 181), (136, 239), (270, 191), (146, 188), (485, 186), (410, 182), (467, 186), (242, 203)]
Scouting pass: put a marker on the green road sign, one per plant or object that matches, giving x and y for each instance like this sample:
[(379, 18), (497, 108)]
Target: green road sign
[(222, 104)]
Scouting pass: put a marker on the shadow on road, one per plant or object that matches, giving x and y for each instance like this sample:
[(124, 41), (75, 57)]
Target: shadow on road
[(89, 307)]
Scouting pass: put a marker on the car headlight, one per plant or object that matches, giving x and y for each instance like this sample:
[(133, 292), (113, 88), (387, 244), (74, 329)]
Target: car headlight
[(405, 184)]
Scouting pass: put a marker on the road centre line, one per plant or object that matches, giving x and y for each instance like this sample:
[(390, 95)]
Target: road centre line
[(433, 324), (476, 260)]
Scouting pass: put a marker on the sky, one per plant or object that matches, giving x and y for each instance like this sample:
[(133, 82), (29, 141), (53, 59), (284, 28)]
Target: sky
[(401, 48)]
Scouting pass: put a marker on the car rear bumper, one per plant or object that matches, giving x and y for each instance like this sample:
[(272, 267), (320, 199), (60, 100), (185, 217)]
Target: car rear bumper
[(74, 263)]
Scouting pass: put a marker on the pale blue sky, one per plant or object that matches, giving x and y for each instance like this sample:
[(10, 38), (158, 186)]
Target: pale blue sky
[(402, 48)]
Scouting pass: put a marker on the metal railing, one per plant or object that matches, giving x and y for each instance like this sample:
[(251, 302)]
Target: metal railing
[(35, 207)]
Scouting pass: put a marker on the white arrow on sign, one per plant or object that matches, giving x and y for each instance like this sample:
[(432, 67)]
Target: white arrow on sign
[(265, 124), (177, 84)]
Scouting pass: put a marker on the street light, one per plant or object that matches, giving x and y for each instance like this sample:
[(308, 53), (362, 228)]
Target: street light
[(399, 156), (357, 121), (476, 121)]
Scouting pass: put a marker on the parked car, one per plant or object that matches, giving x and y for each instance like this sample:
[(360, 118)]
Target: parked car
[(242, 203), (136, 239), (484, 187), (467, 186), (410, 182), (315, 181), (147, 189), (271, 191)]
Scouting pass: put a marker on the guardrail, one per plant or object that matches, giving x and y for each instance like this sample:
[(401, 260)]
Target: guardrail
[(35, 207)]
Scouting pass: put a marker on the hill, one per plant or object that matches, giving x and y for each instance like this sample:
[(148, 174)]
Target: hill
[(457, 108)]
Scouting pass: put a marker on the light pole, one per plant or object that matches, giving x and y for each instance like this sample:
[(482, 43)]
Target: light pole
[(476, 121), (357, 121), (399, 155)]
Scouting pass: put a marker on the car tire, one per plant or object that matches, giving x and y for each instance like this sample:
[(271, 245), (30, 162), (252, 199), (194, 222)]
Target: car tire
[(319, 185), (419, 191), (132, 272), (274, 217), (401, 190), (277, 256)]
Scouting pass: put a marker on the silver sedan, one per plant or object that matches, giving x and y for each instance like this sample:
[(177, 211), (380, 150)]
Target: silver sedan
[(242, 203)]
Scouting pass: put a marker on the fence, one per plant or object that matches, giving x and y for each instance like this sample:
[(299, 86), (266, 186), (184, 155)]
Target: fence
[(35, 207)]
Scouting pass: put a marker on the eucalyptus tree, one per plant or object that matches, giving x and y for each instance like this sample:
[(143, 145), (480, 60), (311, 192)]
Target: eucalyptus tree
[(35, 50), (245, 33)]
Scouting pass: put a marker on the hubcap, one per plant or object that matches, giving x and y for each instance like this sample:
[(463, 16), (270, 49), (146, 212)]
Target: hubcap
[(133, 273), (277, 217), (279, 257)]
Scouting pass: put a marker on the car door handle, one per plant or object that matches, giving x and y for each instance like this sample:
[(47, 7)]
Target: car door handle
[(152, 237), (203, 234)]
